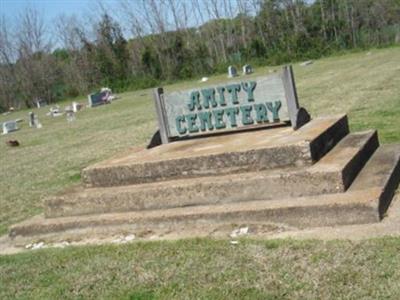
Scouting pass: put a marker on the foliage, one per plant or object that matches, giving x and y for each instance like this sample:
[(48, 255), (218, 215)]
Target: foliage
[(266, 32)]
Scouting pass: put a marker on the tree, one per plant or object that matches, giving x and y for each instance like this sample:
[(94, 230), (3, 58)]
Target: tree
[(8, 87), (36, 69), (110, 51)]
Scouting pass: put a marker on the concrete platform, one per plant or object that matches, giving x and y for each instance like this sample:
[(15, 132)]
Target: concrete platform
[(225, 154), (320, 175), (332, 174), (335, 209), (358, 205)]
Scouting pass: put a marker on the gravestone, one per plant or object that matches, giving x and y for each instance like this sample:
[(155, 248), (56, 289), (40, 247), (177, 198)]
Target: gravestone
[(262, 101), (232, 72), (34, 121), (247, 69), (70, 114), (397, 38), (31, 119), (306, 63), (55, 111), (76, 106), (100, 98), (9, 126), (40, 103)]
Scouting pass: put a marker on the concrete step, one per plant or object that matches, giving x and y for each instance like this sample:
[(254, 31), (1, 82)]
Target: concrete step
[(332, 174), (362, 203), (382, 170), (224, 154), (356, 207)]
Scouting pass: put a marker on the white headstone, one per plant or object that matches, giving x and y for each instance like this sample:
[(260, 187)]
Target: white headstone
[(40, 103), (232, 72), (70, 115), (34, 121), (306, 63), (55, 111), (31, 119), (247, 69), (105, 89), (76, 106), (9, 126)]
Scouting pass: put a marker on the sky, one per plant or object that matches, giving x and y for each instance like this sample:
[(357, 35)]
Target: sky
[(50, 8), (85, 10)]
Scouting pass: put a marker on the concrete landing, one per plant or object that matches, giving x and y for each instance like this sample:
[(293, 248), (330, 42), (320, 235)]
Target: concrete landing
[(332, 174), (355, 206), (348, 208), (225, 154), (389, 226)]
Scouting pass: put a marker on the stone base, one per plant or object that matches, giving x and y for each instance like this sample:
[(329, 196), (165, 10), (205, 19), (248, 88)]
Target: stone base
[(332, 174), (317, 176), (256, 150)]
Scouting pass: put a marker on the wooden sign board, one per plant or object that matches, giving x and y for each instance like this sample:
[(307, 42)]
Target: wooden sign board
[(229, 106)]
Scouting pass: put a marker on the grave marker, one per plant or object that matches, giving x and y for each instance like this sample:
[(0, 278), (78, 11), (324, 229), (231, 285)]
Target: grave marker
[(76, 106), (31, 119), (40, 103), (97, 99), (247, 69), (306, 63), (34, 121), (70, 114), (232, 72), (9, 126), (55, 112)]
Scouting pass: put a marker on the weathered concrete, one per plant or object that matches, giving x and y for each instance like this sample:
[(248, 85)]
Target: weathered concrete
[(332, 174), (389, 226), (382, 170), (364, 202), (324, 210), (225, 154)]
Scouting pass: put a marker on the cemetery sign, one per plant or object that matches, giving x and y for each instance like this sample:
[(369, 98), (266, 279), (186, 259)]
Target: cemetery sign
[(229, 106)]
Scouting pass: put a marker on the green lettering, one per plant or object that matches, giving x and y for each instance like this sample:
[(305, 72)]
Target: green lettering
[(274, 109), (178, 121), (194, 100), (205, 119), (191, 123), (209, 96), (249, 87), (233, 89), (218, 116), (246, 117), (261, 113), (231, 112), (221, 94)]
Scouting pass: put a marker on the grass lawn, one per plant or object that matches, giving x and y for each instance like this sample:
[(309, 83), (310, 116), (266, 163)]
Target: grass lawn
[(365, 85), (207, 269)]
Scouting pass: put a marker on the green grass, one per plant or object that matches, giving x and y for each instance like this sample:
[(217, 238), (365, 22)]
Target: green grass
[(208, 269), (367, 87)]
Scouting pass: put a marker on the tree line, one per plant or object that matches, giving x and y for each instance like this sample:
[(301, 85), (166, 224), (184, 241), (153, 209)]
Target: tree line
[(150, 41)]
